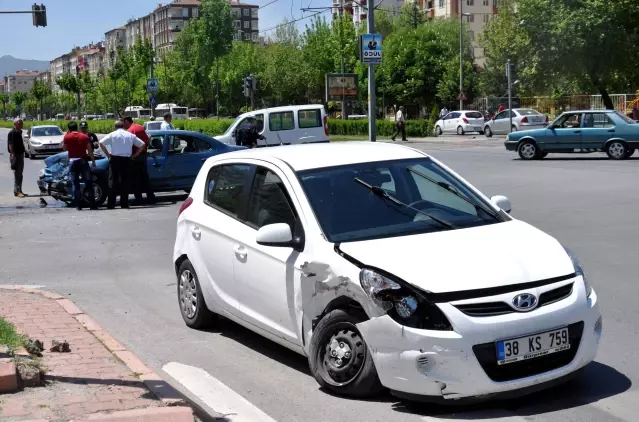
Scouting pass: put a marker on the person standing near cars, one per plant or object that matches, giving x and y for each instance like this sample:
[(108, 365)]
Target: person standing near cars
[(248, 134), (15, 145), (77, 144), (84, 128), (166, 124), (400, 124), (141, 183), (120, 157)]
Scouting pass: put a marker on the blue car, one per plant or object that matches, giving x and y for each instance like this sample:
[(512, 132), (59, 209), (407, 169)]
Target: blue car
[(579, 132), (174, 160)]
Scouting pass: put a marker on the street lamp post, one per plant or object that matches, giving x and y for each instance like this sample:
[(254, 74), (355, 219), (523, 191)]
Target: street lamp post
[(461, 53)]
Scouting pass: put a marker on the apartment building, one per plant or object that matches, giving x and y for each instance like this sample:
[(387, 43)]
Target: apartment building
[(245, 21), (358, 10), (20, 81), (475, 13), (45, 77), (2, 87), (114, 39), (169, 20)]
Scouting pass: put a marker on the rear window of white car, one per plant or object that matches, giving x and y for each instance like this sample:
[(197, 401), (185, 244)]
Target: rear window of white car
[(474, 115), (528, 112), (309, 118)]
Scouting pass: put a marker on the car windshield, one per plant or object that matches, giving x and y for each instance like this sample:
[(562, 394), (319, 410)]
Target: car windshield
[(348, 210), (625, 118), (46, 131), (527, 112), (474, 115)]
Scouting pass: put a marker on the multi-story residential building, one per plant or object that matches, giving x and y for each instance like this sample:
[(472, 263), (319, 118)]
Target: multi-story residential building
[(245, 22), (475, 14), (2, 86), (358, 10), (45, 77), (21, 81), (169, 20), (114, 39), (96, 61)]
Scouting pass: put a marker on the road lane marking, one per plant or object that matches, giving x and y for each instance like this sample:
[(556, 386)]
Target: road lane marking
[(215, 394)]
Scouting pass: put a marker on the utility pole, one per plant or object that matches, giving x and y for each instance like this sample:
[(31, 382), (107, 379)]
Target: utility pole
[(510, 96), (39, 13), (152, 102), (461, 51), (372, 101)]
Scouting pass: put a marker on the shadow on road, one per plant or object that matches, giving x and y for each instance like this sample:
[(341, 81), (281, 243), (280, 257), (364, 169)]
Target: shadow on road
[(581, 158), (597, 382)]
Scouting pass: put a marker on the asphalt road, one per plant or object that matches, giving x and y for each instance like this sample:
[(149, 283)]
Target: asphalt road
[(117, 266)]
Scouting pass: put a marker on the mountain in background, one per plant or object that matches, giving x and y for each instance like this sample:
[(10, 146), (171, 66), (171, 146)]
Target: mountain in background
[(9, 64)]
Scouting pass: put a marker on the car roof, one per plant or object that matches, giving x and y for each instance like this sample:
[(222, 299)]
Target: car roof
[(319, 155), (283, 108), (37, 127), (590, 111), (176, 132)]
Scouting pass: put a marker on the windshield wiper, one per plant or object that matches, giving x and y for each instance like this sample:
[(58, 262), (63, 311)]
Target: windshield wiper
[(383, 194), (452, 190)]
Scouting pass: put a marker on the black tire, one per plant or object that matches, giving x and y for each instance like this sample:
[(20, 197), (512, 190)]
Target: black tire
[(438, 130), (631, 151), (202, 317), (355, 378), (26, 153), (460, 130), (481, 132), (543, 155), (528, 150), (104, 190), (488, 132), (617, 150), (32, 156)]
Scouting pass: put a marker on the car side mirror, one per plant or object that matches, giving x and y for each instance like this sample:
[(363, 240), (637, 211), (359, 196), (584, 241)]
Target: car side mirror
[(26, 136), (501, 202), (277, 235)]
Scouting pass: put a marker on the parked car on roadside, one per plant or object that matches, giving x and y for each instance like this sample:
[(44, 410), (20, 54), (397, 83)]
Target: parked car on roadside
[(287, 125), (385, 269), (584, 131), (522, 119), (42, 140), (175, 157), (460, 122)]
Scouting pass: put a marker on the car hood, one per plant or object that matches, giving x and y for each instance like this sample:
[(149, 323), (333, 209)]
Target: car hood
[(494, 255), (47, 140)]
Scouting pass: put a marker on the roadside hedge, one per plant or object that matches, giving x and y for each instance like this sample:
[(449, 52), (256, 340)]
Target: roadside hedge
[(213, 127)]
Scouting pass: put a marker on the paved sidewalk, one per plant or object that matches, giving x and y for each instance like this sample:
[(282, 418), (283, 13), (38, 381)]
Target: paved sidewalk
[(98, 377)]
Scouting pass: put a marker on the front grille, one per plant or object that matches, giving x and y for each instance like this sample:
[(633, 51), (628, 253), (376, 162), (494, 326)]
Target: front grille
[(487, 356), (501, 308)]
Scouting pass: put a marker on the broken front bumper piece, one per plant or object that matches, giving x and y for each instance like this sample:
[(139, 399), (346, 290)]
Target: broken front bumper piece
[(448, 365)]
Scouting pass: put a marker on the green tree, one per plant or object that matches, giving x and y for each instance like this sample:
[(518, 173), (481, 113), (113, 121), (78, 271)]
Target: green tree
[(4, 100), (18, 98), (40, 92)]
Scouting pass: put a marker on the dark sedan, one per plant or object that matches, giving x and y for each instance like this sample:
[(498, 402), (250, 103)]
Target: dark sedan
[(175, 157)]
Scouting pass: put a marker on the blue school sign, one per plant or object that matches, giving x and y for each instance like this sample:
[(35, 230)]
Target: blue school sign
[(371, 48)]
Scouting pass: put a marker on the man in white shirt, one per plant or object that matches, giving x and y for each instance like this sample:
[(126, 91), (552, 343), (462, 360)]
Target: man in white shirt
[(121, 158), (166, 124), (443, 112), (400, 124)]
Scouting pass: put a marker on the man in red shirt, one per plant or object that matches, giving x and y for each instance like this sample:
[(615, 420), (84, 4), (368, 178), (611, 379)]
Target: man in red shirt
[(141, 182), (77, 144)]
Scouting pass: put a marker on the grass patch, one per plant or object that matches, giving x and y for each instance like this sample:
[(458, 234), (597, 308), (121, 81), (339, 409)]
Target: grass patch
[(8, 335)]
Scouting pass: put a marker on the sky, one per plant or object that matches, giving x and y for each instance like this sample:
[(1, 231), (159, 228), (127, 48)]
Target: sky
[(79, 22)]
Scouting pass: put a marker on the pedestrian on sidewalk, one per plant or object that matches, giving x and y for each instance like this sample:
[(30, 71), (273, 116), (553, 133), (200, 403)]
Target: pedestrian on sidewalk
[(166, 124), (400, 124), (141, 183), (77, 144), (120, 157), (15, 145)]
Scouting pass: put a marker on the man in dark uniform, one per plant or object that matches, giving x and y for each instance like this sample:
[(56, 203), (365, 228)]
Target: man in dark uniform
[(247, 134), (15, 146), (84, 128)]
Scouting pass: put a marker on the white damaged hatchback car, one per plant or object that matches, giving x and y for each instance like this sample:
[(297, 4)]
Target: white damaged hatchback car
[(386, 269)]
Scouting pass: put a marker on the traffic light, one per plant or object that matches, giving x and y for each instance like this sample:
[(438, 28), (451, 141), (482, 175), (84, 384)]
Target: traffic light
[(248, 86), (39, 15)]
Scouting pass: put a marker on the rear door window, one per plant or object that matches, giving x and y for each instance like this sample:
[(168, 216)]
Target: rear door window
[(309, 118), (225, 185), (281, 121)]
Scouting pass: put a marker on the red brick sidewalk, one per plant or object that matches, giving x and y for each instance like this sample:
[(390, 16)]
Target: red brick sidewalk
[(89, 379)]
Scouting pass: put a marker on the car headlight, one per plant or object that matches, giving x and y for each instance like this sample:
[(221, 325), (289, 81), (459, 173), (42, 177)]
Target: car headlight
[(34, 142), (403, 303), (579, 270)]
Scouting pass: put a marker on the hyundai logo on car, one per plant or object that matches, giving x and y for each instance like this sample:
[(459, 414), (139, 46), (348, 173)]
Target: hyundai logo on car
[(525, 302)]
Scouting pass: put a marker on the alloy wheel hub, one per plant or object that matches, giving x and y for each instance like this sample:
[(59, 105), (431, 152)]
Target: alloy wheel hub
[(188, 294)]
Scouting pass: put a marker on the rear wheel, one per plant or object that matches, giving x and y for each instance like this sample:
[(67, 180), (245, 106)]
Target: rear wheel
[(192, 306), (339, 358), (617, 150), (100, 191), (460, 130), (438, 130)]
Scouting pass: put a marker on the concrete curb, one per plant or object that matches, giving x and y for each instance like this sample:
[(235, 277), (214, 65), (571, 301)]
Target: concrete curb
[(160, 388)]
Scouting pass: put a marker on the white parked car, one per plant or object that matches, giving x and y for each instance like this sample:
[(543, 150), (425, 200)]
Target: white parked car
[(153, 125), (43, 140), (523, 119), (385, 268), (460, 122), (287, 125)]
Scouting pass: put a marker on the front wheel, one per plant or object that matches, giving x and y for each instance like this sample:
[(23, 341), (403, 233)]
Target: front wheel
[(488, 132), (100, 191), (617, 150), (460, 130), (528, 150), (339, 358)]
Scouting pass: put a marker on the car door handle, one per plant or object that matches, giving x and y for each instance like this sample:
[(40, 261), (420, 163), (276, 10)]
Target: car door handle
[(197, 233), (611, 130), (577, 131), (240, 251)]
